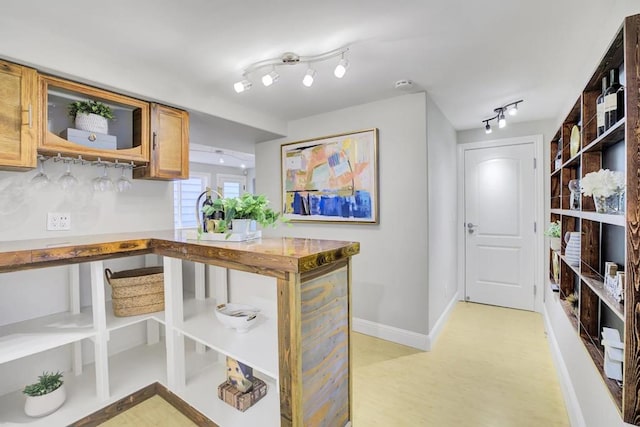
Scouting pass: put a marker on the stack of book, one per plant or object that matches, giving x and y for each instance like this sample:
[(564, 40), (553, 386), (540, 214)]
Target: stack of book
[(241, 389)]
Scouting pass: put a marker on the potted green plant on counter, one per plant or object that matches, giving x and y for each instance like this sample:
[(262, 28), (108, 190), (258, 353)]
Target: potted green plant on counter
[(241, 214), (44, 396), (91, 116), (553, 232)]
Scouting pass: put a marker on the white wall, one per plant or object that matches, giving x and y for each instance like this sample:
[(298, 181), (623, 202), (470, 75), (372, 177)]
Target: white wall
[(442, 193), (390, 273)]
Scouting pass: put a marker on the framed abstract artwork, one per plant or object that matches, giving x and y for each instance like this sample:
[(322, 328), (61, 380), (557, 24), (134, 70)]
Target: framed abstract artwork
[(332, 178)]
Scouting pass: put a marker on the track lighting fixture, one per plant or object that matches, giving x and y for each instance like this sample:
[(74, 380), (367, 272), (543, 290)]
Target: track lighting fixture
[(511, 107), (308, 77), (290, 58)]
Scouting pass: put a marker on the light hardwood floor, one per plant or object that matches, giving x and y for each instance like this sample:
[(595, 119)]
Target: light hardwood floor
[(490, 367)]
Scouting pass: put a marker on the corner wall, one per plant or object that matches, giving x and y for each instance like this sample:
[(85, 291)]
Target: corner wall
[(442, 169), (391, 292)]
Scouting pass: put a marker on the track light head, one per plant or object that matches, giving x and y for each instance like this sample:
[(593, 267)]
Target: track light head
[(487, 128), (308, 77), (513, 110), (502, 122), (270, 78), (341, 68), (242, 86)]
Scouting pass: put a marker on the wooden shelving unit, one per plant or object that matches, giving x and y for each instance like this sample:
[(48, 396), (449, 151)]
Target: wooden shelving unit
[(605, 237)]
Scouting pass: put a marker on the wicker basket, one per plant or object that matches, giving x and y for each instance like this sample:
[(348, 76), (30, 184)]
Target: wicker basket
[(136, 291)]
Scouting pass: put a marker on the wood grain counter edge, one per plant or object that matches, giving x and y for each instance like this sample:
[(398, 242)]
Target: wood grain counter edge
[(255, 261)]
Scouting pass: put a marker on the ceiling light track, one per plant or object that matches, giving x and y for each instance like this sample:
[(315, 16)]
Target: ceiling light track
[(511, 108), (290, 58)]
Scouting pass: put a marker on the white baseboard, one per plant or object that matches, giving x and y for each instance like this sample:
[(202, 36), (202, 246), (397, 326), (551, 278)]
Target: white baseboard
[(403, 336), (576, 419), (390, 333), (442, 320)]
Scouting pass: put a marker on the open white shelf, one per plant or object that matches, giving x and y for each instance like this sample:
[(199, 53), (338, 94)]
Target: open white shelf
[(202, 393), (592, 216), (129, 371), (32, 336), (257, 348), (114, 322)]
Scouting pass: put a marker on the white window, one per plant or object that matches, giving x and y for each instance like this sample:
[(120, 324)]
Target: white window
[(231, 185), (185, 194)]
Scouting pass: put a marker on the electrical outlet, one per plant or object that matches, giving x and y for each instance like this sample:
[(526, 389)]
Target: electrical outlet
[(58, 221)]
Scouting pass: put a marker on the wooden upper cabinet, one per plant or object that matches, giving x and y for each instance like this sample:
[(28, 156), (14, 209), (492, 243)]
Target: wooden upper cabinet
[(128, 133), (169, 145), (18, 117)]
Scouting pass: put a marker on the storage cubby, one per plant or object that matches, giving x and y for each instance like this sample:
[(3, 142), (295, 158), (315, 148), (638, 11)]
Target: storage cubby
[(131, 127), (605, 237)]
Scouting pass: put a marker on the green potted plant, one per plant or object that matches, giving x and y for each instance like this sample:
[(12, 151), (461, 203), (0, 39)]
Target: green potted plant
[(44, 396), (91, 116), (553, 232), (242, 213)]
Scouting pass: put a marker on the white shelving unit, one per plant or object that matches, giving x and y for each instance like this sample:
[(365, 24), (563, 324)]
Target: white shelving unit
[(201, 392), (191, 368), (23, 339), (257, 348)]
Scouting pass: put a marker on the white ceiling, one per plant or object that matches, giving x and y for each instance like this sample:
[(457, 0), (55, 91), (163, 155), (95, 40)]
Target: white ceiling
[(470, 56)]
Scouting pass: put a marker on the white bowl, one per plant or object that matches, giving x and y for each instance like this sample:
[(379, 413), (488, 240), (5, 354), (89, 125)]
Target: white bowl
[(237, 316)]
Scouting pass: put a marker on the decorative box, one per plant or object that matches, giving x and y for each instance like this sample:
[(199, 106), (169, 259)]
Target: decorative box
[(239, 400), (613, 353), (100, 141)]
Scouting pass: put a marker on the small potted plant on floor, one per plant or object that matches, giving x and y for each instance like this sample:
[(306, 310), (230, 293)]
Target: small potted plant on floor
[(91, 116), (553, 232), (45, 396)]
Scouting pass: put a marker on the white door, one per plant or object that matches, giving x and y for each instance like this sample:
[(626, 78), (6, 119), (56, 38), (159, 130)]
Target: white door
[(499, 193)]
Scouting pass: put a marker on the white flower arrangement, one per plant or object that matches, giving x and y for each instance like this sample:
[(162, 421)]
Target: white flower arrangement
[(602, 183)]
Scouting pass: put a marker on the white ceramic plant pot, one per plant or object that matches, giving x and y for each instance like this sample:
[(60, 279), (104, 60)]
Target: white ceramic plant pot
[(39, 406), (554, 242), (243, 226), (92, 123)]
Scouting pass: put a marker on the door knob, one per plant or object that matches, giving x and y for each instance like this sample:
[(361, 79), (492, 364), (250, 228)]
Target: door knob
[(471, 227)]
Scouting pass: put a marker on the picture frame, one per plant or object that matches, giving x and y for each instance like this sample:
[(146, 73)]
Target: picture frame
[(331, 179)]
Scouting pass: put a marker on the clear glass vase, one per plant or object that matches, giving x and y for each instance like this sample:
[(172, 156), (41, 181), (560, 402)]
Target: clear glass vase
[(615, 203), (601, 204)]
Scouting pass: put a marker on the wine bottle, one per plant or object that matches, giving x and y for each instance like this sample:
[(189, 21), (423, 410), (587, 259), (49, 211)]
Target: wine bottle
[(600, 107), (205, 217), (613, 105)]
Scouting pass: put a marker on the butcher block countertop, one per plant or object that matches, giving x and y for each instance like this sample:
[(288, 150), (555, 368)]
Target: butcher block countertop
[(266, 255)]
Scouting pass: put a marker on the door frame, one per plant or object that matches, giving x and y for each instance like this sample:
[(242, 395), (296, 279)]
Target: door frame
[(538, 269)]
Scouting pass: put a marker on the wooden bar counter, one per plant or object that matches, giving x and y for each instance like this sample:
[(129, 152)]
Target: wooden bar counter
[(313, 305)]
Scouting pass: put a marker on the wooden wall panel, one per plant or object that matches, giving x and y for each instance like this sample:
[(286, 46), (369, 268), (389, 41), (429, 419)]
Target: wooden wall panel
[(325, 350), (589, 308), (590, 248), (631, 393)]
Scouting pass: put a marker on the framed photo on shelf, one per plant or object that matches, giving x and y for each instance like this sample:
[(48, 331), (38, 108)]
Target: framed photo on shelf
[(332, 178)]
